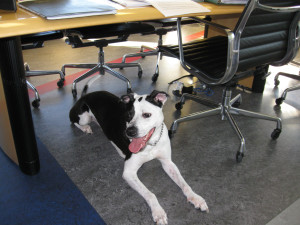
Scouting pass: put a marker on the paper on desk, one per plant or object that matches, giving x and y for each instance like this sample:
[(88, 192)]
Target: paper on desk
[(177, 7), (132, 3)]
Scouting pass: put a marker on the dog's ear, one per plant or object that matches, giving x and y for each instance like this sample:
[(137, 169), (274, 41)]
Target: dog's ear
[(157, 97), (127, 98)]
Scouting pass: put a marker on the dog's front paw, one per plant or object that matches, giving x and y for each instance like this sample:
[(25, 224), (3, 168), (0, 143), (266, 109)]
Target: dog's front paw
[(159, 216), (198, 202)]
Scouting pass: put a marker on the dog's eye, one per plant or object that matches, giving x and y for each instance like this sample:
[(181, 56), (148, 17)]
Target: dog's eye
[(146, 115)]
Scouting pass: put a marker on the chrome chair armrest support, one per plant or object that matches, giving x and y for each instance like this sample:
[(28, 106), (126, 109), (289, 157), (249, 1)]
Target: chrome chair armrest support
[(277, 9)]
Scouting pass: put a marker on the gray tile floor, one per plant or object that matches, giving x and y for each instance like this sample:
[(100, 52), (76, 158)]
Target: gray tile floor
[(264, 187)]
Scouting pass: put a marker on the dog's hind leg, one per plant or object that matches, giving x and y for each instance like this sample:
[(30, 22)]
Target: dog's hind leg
[(83, 122), (173, 172), (130, 175)]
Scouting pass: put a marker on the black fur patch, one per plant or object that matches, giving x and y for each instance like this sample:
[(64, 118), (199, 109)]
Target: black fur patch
[(111, 113), (129, 106), (140, 99)]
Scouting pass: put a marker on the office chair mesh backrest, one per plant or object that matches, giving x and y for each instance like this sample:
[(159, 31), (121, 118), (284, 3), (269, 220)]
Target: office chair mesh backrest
[(265, 38)]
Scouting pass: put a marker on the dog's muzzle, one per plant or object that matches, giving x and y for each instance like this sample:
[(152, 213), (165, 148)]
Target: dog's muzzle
[(131, 132)]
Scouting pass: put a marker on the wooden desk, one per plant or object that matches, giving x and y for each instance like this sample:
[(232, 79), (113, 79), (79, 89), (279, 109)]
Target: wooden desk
[(17, 137)]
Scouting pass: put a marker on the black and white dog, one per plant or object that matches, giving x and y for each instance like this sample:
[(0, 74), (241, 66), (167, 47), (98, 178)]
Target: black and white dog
[(135, 126)]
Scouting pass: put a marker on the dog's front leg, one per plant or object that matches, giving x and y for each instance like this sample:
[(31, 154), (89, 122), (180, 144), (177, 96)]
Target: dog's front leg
[(130, 175), (173, 172)]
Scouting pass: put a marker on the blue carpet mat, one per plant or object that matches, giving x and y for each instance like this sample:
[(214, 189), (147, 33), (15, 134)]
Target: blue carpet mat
[(49, 197)]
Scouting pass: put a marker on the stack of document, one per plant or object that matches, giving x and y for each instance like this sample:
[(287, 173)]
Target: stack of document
[(61, 9), (171, 8)]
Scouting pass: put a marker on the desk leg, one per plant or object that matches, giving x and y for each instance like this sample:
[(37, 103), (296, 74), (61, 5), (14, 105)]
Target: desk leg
[(18, 106)]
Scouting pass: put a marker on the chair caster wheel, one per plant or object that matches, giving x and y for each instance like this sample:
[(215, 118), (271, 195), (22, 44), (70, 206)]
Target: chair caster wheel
[(178, 106), (129, 91), (279, 101), (275, 134), (154, 77), (61, 83), (239, 157), (35, 103), (171, 134), (276, 82), (74, 93), (140, 73)]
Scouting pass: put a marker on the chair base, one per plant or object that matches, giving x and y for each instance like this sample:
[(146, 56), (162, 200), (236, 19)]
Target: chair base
[(280, 100), (102, 68), (226, 110), (28, 73)]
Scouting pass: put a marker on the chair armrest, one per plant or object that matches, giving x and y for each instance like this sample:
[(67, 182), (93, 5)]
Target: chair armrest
[(221, 27), (278, 9), (232, 53)]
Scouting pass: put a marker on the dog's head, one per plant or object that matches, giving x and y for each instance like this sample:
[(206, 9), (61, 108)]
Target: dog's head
[(144, 115)]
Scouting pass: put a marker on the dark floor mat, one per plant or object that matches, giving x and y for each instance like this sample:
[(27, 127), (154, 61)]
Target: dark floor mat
[(49, 197)]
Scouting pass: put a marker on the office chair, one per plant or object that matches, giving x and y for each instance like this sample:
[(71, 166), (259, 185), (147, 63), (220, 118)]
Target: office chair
[(280, 100), (162, 27), (81, 37), (266, 33), (32, 41)]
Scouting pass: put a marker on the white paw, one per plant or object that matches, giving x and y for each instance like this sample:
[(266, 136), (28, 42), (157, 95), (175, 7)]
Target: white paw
[(159, 216), (198, 202), (86, 129)]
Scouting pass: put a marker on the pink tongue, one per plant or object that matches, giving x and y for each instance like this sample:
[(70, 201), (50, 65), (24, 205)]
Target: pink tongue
[(139, 143)]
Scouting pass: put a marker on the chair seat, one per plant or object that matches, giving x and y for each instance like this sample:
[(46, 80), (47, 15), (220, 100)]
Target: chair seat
[(111, 30), (208, 55)]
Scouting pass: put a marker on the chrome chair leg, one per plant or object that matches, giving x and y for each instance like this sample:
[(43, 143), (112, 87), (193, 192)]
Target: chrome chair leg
[(279, 101), (193, 116), (140, 54), (283, 96), (120, 76), (83, 76), (35, 103), (102, 67), (237, 100), (225, 110), (122, 65), (196, 98), (78, 66), (156, 71), (240, 154), (61, 81)]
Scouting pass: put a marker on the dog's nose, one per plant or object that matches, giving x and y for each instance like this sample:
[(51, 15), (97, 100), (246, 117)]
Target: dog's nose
[(131, 131)]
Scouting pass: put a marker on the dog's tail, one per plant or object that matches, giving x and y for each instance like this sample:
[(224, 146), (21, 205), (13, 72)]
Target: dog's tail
[(88, 84)]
